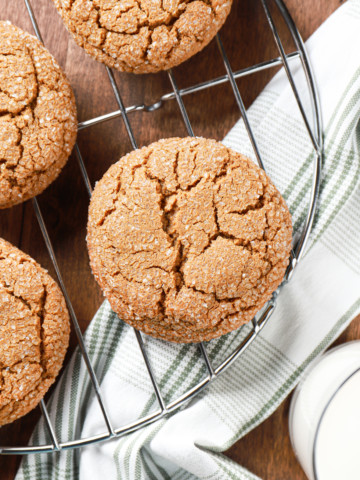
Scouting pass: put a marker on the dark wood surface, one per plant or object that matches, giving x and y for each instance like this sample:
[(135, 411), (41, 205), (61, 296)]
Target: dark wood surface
[(266, 451)]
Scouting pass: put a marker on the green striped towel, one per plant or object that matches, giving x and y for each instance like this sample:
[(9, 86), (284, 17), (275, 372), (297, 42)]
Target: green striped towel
[(318, 303)]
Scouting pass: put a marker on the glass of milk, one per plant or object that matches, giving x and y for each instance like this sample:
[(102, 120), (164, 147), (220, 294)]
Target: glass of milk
[(324, 418)]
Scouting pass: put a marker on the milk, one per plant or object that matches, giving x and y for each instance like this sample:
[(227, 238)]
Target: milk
[(324, 417), (337, 446)]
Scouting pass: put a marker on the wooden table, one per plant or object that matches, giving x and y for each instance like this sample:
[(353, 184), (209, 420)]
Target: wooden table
[(266, 450)]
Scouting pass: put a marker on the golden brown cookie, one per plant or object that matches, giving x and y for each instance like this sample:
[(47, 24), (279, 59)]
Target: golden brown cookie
[(143, 36), (34, 332), (37, 117), (187, 238)]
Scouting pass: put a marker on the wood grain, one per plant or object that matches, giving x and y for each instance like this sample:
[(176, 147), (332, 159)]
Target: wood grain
[(266, 450)]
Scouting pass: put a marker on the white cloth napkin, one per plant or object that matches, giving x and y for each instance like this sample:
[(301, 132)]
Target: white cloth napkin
[(318, 303)]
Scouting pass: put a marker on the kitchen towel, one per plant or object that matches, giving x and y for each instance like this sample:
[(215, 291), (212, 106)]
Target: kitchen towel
[(312, 309)]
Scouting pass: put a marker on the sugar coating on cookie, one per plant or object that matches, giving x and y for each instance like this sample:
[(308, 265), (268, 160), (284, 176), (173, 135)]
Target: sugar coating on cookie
[(143, 36), (187, 238), (37, 117), (34, 332)]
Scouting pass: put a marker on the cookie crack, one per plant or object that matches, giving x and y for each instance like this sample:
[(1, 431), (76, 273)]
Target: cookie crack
[(161, 304), (128, 279), (10, 291), (42, 314), (259, 205), (213, 294), (12, 368), (216, 217)]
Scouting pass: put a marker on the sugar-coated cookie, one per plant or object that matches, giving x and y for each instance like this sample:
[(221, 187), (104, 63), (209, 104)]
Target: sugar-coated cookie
[(143, 36), (34, 332), (37, 117), (187, 238)]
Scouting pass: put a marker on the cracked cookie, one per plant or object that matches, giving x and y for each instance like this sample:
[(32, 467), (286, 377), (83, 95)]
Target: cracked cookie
[(187, 238), (143, 36), (37, 117), (34, 332)]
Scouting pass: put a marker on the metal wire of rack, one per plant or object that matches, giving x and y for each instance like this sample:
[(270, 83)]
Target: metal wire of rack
[(315, 136)]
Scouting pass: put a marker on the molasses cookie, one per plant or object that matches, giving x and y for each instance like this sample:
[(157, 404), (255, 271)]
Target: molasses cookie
[(187, 238), (34, 332), (143, 36), (37, 117)]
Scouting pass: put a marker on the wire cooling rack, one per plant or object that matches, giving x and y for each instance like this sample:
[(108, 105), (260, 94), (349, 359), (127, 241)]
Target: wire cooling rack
[(314, 130)]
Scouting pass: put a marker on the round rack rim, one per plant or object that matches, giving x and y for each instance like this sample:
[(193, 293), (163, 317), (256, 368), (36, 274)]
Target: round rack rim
[(315, 138)]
